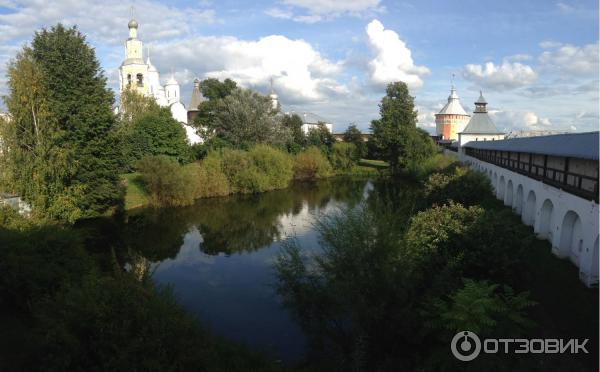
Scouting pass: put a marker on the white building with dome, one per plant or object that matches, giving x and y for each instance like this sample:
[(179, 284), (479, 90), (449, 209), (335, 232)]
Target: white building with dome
[(144, 78)]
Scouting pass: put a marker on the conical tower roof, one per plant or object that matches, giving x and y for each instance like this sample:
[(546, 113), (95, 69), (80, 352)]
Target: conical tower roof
[(453, 107), (197, 97)]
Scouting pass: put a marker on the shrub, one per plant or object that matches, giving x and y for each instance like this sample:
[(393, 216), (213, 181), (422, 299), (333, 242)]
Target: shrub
[(463, 186), (343, 155), (311, 164), (438, 163), (167, 182), (263, 168), (211, 181), (275, 164)]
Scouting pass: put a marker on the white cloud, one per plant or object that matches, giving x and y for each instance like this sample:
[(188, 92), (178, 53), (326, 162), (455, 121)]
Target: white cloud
[(519, 120), (335, 6), (288, 14), (103, 21), (393, 60), (549, 44), (319, 10), (508, 75), (571, 59), (300, 73)]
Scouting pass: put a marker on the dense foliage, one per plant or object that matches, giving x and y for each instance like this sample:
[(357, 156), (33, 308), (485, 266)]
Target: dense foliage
[(354, 135), (167, 182), (311, 164), (146, 129), (344, 156), (395, 135), (245, 118), (61, 128), (388, 280)]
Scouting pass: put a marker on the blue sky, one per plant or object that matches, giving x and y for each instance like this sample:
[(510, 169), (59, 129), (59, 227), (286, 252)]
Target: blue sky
[(536, 61)]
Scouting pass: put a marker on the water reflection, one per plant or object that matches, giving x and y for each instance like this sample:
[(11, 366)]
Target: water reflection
[(218, 256)]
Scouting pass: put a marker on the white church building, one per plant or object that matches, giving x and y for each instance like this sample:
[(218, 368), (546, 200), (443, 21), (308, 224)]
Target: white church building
[(144, 78)]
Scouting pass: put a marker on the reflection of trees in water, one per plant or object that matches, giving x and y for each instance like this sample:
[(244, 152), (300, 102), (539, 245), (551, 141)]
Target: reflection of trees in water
[(241, 223)]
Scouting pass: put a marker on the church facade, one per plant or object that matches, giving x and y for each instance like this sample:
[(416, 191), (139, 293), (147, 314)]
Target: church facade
[(144, 78)]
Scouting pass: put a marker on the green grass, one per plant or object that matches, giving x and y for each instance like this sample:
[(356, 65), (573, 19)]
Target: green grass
[(380, 164), (135, 195)]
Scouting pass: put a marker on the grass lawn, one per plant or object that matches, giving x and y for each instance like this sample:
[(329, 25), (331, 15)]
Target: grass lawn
[(380, 164), (135, 195)]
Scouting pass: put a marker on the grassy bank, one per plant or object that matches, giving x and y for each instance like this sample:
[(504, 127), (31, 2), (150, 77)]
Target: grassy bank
[(137, 195)]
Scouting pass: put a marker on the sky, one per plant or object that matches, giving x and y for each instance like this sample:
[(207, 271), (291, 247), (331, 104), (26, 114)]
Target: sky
[(536, 61)]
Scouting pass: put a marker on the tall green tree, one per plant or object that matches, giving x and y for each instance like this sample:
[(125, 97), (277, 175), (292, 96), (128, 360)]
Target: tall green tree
[(395, 134), (214, 90), (245, 118), (61, 133), (32, 162), (157, 133), (354, 135), (81, 106)]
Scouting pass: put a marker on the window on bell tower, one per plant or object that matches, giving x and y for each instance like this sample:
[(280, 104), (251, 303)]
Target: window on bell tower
[(128, 80), (140, 80)]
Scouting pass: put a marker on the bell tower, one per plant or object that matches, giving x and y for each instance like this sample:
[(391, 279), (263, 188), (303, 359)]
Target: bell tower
[(133, 71)]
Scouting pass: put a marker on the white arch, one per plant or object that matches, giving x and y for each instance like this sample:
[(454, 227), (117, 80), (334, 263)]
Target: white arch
[(508, 199), (546, 214), (571, 237), (528, 216), (500, 193), (518, 203), (495, 181)]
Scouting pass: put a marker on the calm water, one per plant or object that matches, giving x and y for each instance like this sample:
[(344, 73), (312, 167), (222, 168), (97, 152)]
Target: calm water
[(218, 257)]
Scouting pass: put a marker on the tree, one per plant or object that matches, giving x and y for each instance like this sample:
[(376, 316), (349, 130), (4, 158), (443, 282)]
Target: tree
[(245, 118), (343, 155), (61, 132), (294, 124), (33, 164), (395, 134), (354, 135), (157, 133), (320, 137), (81, 106), (214, 91)]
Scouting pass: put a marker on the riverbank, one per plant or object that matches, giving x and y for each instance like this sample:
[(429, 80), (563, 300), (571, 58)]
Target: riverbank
[(137, 196)]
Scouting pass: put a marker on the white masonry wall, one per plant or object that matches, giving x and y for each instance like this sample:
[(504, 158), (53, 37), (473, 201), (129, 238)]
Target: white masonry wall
[(568, 222)]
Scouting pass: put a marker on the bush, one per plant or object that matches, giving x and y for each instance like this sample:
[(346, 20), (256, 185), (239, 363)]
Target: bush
[(438, 163), (167, 182), (211, 180), (263, 168), (343, 156), (275, 164), (463, 186), (311, 164)]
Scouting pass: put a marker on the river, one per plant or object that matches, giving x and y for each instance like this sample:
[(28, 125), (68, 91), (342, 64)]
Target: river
[(218, 255)]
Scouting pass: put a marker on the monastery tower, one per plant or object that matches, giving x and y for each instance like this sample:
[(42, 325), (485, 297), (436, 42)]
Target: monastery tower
[(452, 119)]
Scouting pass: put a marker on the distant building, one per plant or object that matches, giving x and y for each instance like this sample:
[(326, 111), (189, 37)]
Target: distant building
[(312, 121), (480, 127), (451, 119), (143, 77)]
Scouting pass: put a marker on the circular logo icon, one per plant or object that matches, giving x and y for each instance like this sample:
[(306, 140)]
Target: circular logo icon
[(465, 346)]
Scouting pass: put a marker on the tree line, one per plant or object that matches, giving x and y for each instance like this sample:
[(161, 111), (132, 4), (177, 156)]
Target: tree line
[(64, 148)]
